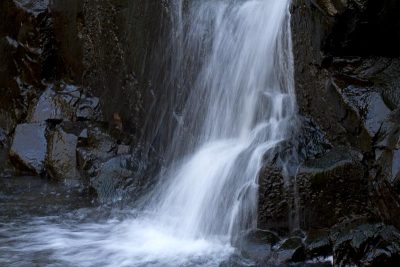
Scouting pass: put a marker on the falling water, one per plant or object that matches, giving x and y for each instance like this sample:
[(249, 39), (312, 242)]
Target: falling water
[(238, 108)]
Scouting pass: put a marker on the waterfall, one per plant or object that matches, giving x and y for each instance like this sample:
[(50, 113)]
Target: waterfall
[(232, 62), (239, 107)]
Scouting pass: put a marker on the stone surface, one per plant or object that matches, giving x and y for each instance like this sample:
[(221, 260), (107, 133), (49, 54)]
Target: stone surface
[(325, 189), (114, 177), (29, 146), (366, 245), (61, 159), (257, 244), (52, 106)]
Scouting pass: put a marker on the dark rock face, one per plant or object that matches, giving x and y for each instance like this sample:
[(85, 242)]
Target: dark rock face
[(107, 45)]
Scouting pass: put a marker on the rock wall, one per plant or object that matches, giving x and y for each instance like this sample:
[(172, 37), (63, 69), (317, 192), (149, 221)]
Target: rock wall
[(347, 84)]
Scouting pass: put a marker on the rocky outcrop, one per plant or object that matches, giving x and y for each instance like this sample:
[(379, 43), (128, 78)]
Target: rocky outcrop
[(73, 80)]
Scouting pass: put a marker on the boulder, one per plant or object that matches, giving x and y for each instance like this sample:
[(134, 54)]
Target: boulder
[(332, 187), (61, 158), (29, 146), (366, 245), (96, 147), (324, 190), (290, 250), (257, 244), (116, 178), (55, 106)]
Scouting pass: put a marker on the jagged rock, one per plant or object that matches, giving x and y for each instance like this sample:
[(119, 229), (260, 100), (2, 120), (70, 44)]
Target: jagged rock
[(55, 106), (89, 109), (114, 176), (29, 146), (61, 158), (366, 245), (98, 147)]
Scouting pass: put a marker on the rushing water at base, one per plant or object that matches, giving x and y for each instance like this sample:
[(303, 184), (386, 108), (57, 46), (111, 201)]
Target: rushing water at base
[(238, 110)]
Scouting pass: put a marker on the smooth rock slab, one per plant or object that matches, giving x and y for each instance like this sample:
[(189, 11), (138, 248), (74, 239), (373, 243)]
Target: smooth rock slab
[(29, 146)]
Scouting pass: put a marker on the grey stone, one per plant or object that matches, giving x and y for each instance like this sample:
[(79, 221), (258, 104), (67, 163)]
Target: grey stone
[(29, 146), (123, 149), (52, 106), (61, 158)]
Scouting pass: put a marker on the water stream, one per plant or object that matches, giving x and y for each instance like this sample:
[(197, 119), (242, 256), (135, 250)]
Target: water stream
[(239, 108)]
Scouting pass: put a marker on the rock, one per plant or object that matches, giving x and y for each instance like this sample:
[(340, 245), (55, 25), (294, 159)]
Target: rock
[(89, 109), (54, 106), (113, 178), (29, 146), (274, 200), (3, 138), (257, 244), (332, 187), (387, 146), (97, 147), (123, 149), (325, 189), (61, 158), (290, 250), (33, 7), (318, 244), (366, 245)]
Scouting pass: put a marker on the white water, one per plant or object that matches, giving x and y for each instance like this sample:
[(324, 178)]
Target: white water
[(239, 109)]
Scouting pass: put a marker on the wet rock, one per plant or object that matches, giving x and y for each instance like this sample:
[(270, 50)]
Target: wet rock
[(324, 190), (61, 158), (55, 106), (290, 250), (366, 245), (331, 187), (311, 140), (97, 147), (29, 146), (274, 200), (368, 105), (89, 109), (257, 244), (318, 244), (113, 178), (387, 150)]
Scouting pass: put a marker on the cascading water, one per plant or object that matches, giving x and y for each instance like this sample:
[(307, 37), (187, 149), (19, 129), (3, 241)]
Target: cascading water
[(238, 109)]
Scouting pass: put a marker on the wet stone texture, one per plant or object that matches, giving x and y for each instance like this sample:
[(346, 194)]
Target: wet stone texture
[(29, 147)]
